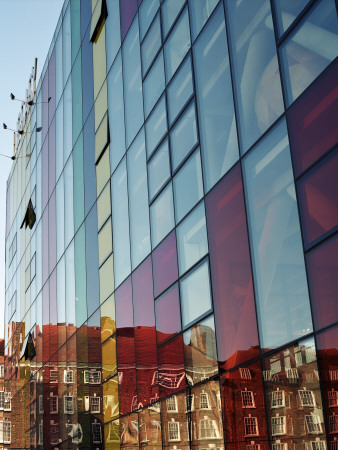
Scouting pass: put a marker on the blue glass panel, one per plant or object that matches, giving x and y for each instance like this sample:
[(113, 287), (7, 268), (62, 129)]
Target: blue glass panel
[(151, 44), (156, 126), (162, 216), (154, 84), (113, 36), (200, 11), (147, 12), (158, 169)]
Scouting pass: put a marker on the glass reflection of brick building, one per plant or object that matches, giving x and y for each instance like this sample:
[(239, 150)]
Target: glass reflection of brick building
[(171, 243)]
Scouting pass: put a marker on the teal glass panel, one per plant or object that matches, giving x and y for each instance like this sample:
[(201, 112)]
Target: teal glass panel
[(66, 45), (70, 285), (154, 84), (162, 216), (151, 45), (200, 11), (76, 98), (69, 201), (158, 169), (59, 140), (75, 6), (67, 120), (58, 68), (60, 217), (61, 290), (78, 183), (156, 126), (80, 275), (170, 10), (286, 12)]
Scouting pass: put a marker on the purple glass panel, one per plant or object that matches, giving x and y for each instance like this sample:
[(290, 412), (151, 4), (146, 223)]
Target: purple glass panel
[(51, 158), (143, 298), (44, 105), (51, 87), (171, 373), (124, 305), (165, 264), (128, 9), (318, 193), (322, 267), (168, 318), (235, 317), (45, 246), (44, 156), (52, 231), (312, 121)]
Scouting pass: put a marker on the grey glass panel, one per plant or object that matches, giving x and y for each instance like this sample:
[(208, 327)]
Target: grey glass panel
[(138, 200), (162, 216), (310, 49), (113, 35), (58, 68), (151, 44), (154, 84), (170, 10), (70, 285), (132, 82), (195, 294), (217, 124), (183, 137), (147, 12), (188, 186), (200, 11), (286, 12), (69, 209), (282, 299), (58, 140), (255, 67), (60, 218), (177, 45), (156, 126), (116, 113), (67, 120), (67, 45), (158, 169), (192, 242), (180, 90), (121, 242)]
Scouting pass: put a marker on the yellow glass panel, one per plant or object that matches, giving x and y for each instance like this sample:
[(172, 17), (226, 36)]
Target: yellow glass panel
[(106, 275), (112, 435), (109, 365), (108, 324), (105, 242), (101, 105), (97, 19), (103, 206), (110, 399), (99, 61), (101, 138), (102, 171)]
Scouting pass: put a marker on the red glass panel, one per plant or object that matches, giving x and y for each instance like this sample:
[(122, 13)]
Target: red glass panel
[(53, 330), (128, 9), (94, 339), (322, 267), (312, 121), (171, 374), (45, 320), (235, 317), (165, 264), (145, 333), (129, 431), (318, 193), (241, 424), (168, 321)]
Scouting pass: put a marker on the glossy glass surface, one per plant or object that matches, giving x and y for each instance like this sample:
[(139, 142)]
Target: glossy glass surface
[(171, 373), (214, 100), (156, 126), (170, 10), (188, 186), (147, 12), (113, 36), (200, 11), (318, 191), (106, 277), (195, 294), (322, 269), (311, 121), (287, 12), (183, 136), (177, 45), (310, 48), (278, 264), (154, 84), (92, 262), (151, 44), (180, 90), (255, 67), (78, 183), (105, 239), (128, 9), (168, 317), (158, 169), (192, 243), (108, 322), (165, 264), (162, 215)]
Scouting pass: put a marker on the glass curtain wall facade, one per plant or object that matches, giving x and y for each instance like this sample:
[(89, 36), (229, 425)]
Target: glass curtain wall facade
[(171, 241)]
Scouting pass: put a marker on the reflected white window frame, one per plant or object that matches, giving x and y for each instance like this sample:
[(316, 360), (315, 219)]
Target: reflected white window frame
[(251, 426), (313, 424), (278, 425), (174, 431), (277, 398), (248, 400), (171, 403), (306, 398), (68, 405)]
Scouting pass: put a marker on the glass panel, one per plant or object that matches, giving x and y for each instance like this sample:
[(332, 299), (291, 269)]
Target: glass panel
[(67, 45), (192, 240), (102, 171), (200, 11), (171, 374), (188, 186), (116, 113), (154, 84), (183, 136), (162, 216), (195, 294), (80, 274), (318, 193), (67, 120), (92, 262), (147, 12), (312, 121), (287, 12), (77, 98), (109, 365), (215, 102), (310, 49), (108, 324), (177, 45), (138, 201), (280, 282), (170, 11), (322, 268), (158, 169), (231, 275), (113, 37), (165, 264), (151, 44), (110, 403), (168, 317), (255, 68), (69, 203), (120, 214), (156, 126), (132, 81), (128, 9), (180, 90), (105, 242), (200, 352), (103, 206)]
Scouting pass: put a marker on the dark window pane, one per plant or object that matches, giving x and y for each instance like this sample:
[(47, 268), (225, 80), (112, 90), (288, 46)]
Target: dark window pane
[(171, 374), (231, 270), (165, 264), (168, 320)]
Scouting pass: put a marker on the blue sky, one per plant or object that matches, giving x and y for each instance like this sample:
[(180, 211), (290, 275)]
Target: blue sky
[(26, 31)]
